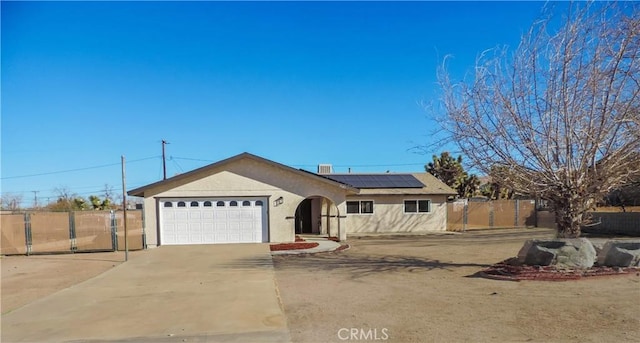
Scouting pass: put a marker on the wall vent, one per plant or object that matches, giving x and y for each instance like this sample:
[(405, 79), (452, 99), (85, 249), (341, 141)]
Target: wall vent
[(325, 169)]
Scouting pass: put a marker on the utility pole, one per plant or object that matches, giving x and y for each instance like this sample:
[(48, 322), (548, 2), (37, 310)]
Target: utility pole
[(164, 161), (35, 199)]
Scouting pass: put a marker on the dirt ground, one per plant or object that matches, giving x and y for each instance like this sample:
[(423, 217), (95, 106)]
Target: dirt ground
[(422, 289), (28, 278), (400, 289)]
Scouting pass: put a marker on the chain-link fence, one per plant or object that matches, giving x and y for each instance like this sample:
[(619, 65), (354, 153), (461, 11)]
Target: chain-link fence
[(469, 215), (40, 232)]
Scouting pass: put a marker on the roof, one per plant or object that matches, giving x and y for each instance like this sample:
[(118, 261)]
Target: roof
[(415, 183), (210, 167), (372, 181), (431, 186)]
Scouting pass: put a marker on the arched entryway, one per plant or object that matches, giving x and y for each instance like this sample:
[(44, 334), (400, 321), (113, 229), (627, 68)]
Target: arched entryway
[(317, 215)]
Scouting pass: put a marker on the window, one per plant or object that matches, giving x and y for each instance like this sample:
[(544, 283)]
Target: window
[(259, 203), (181, 204), (424, 206), (207, 204), (233, 203), (366, 207), (220, 204), (417, 206), (168, 204), (362, 207), (246, 203), (410, 206), (353, 207), (194, 204)]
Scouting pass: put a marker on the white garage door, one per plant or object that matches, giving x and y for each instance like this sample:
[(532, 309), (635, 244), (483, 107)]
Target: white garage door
[(211, 221)]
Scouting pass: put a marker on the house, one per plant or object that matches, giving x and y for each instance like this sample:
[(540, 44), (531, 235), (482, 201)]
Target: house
[(247, 198)]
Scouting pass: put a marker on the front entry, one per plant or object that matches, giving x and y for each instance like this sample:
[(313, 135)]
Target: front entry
[(304, 220)]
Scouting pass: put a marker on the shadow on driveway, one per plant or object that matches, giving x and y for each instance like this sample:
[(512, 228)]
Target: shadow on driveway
[(356, 265), (473, 237), (377, 254)]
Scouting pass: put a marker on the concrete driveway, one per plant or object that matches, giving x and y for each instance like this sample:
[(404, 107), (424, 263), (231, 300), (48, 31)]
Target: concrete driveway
[(197, 293)]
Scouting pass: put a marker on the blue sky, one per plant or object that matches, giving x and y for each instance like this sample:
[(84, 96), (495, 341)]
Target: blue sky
[(300, 83)]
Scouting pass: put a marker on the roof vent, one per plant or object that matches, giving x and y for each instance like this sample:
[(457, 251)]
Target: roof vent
[(325, 169)]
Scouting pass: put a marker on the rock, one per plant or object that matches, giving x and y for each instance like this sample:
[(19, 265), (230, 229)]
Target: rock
[(572, 253), (539, 256), (598, 244), (620, 254), (578, 253)]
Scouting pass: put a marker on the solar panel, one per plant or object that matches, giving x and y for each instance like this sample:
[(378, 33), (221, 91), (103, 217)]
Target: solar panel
[(377, 180)]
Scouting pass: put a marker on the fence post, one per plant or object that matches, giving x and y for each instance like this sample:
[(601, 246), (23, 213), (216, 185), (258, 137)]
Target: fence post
[(72, 231), (27, 232), (491, 220), (114, 231), (465, 215), (144, 232), (517, 213), (535, 212)]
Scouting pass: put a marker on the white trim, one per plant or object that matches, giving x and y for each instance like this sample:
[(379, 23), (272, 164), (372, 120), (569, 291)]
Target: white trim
[(265, 233)]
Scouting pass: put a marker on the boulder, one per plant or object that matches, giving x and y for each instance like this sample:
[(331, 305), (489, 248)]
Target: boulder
[(535, 255), (568, 253), (620, 254)]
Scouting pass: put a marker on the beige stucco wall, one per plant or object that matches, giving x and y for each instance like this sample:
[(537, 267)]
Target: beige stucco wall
[(246, 177), (388, 215)]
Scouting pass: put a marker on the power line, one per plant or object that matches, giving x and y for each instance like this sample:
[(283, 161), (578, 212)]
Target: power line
[(176, 164), (73, 170), (174, 158), (53, 189), (314, 165), (378, 165), (191, 159), (58, 172), (49, 193), (52, 194)]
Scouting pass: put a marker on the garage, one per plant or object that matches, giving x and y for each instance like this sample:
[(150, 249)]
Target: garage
[(244, 198), (213, 220)]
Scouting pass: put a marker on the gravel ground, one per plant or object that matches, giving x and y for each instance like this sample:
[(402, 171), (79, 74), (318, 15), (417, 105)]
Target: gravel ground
[(422, 289)]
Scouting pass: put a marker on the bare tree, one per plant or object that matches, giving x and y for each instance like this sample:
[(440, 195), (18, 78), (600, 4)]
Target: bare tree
[(64, 193), (560, 112), (67, 201), (108, 192), (11, 202)]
